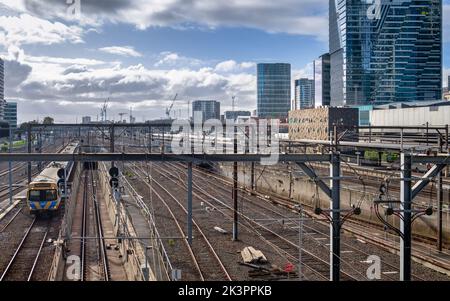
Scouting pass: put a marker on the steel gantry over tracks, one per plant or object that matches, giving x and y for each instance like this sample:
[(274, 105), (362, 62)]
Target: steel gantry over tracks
[(407, 192)]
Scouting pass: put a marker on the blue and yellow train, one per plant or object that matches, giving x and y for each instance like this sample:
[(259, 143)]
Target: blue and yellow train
[(46, 192)]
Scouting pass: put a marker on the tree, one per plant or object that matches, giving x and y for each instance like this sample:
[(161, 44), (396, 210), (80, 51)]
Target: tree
[(23, 127), (48, 120)]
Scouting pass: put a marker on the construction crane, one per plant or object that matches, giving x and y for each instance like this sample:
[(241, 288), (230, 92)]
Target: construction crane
[(169, 109), (121, 117), (103, 110)]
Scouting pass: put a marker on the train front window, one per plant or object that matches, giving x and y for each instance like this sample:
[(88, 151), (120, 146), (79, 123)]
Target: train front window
[(50, 195), (35, 195), (42, 195)]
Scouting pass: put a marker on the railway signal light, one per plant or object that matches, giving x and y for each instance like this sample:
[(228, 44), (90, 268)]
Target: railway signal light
[(61, 173), (114, 172), (114, 181)]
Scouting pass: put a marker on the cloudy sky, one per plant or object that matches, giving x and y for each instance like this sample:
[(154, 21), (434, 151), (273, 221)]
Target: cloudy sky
[(141, 53)]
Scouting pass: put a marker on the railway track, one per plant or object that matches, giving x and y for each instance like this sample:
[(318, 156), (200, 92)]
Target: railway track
[(184, 255), (4, 224), (355, 254), (93, 256), (353, 249), (23, 263), (317, 267), (207, 265)]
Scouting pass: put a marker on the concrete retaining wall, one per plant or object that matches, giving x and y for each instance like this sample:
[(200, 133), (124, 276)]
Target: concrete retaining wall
[(279, 181)]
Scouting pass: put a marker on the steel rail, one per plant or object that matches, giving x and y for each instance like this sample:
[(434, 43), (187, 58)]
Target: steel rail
[(83, 232), (268, 230), (213, 252), (37, 257), (180, 229), (18, 249), (101, 240), (11, 220)]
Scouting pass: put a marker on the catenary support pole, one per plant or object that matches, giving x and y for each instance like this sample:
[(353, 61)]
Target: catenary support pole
[(405, 221), (29, 150), (189, 221), (252, 176), (440, 198), (235, 190), (335, 229), (111, 141), (10, 167)]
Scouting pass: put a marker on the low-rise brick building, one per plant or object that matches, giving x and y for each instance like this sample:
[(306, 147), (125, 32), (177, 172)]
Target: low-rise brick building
[(318, 123)]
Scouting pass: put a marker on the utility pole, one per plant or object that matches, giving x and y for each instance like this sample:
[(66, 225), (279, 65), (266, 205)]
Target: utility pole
[(440, 198), (29, 141), (335, 228), (235, 190), (111, 148), (300, 239), (405, 220), (189, 221), (10, 167)]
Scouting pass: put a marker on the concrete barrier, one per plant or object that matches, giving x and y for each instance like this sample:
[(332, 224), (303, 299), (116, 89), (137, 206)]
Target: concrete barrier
[(278, 181)]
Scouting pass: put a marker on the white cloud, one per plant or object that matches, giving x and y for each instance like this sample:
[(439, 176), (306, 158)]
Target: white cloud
[(306, 72), (169, 60), (305, 17), (81, 85), (231, 65), (63, 61), (446, 23), (27, 29), (121, 50)]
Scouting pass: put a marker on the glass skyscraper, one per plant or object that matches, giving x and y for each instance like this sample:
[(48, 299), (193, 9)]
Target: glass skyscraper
[(2, 89), (11, 114), (274, 90), (210, 109), (2, 80), (304, 93), (322, 93), (385, 51)]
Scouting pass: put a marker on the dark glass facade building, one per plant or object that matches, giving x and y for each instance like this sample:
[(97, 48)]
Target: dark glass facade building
[(210, 109), (2, 80), (304, 93), (322, 78), (2, 89), (274, 90), (385, 51), (10, 114), (233, 115)]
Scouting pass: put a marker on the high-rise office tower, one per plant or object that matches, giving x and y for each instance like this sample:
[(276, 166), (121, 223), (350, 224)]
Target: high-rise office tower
[(274, 90), (322, 77), (210, 109), (2, 80), (10, 114), (2, 90), (304, 93), (385, 51)]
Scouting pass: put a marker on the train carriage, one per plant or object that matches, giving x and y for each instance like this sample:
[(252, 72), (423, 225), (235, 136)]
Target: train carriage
[(46, 191)]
